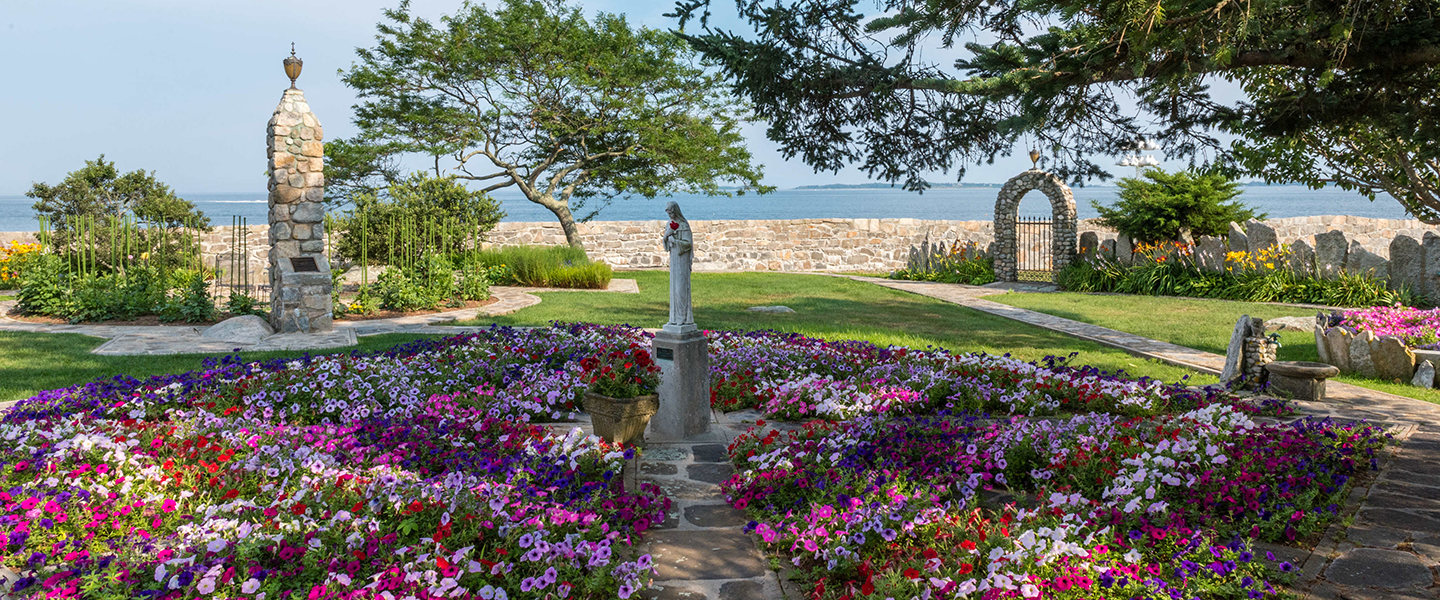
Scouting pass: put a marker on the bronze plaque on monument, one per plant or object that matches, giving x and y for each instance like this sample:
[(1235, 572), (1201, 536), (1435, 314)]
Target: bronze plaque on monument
[(304, 264)]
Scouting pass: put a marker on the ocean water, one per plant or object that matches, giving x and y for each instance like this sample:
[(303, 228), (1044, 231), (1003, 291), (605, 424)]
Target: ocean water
[(965, 204)]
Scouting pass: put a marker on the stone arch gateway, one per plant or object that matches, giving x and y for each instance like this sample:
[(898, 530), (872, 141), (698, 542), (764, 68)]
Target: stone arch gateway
[(1063, 223)]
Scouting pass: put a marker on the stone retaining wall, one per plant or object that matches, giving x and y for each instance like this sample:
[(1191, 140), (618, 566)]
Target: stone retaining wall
[(809, 244)]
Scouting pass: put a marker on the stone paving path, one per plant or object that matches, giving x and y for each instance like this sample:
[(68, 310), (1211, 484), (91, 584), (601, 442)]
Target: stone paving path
[(186, 339), (1390, 547), (701, 551)]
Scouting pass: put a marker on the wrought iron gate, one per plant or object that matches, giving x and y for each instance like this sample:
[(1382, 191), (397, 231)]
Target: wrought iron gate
[(1034, 257)]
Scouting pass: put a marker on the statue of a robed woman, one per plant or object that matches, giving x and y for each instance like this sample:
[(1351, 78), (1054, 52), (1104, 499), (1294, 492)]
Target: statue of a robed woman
[(680, 242)]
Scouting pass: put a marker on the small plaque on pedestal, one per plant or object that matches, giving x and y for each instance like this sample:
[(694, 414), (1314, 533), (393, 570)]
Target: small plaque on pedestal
[(304, 264)]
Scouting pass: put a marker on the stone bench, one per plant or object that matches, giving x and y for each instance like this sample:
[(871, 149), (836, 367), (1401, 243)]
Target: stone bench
[(1301, 380)]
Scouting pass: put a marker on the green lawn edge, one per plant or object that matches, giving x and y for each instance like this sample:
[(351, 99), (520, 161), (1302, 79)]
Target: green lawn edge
[(1199, 323)]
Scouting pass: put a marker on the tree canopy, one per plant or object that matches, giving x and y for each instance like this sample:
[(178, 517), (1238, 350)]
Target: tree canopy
[(99, 189), (1325, 84), (534, 95), (1161, 206)]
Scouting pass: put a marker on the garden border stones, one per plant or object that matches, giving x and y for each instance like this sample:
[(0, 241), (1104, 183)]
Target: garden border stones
[(1063, 227)]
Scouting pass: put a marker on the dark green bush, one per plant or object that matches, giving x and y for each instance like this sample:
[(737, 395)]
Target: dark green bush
[(544, 266), (420, 215), (1163, 205)]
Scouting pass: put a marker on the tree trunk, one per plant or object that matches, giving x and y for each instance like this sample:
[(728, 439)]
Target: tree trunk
[(561, 209)]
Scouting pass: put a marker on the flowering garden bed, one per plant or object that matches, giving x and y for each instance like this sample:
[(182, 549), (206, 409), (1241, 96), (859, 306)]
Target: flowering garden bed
[(415, 472)]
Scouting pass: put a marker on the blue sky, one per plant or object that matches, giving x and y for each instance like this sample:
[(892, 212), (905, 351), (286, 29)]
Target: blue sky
[(185, 87)]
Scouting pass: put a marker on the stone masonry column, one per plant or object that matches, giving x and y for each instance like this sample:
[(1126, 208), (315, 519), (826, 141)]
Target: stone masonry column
[(299, 272)]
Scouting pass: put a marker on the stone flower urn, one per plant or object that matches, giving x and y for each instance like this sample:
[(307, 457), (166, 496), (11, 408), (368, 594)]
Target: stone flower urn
[(621, 420)]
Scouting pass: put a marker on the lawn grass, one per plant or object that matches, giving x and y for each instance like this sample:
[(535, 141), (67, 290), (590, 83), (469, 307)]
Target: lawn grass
[(1196, 323), (831, 308), (31, 362)]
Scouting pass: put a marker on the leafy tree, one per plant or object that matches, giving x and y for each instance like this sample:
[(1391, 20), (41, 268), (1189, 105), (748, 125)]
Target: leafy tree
[(356, 168), (535, 96), (1163, 206), (421, 200), (99, 189), (1331, 86)]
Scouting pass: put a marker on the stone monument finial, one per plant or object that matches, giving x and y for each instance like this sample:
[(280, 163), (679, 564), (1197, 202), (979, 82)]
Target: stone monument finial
[(293, 64)]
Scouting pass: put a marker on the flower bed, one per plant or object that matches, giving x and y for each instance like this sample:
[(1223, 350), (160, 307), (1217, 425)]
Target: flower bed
[(1416, 328), (794, 377), (408, 473), (415, 472), (1121, 508)]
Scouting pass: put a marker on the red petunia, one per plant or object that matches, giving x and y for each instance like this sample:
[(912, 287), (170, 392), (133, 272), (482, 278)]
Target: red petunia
[(298, 508)]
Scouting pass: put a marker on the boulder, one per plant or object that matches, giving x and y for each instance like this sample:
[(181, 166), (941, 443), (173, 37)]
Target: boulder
[(1431, 273), (1364, 262), (1089, 245), (1360, 361), (1239, 242), (771, 309), (1337, 343), (1331, 250), (1107, 249), (1290, 324), (1210, 253), (1393, 361), (1407, 264), (1235, 354), (1322, 348), (245, 329), (1424, 375), (1124, 249), (1302, 259), (1260, 236)]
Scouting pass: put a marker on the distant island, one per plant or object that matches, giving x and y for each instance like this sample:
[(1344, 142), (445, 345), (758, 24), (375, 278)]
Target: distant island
[(884, 186)]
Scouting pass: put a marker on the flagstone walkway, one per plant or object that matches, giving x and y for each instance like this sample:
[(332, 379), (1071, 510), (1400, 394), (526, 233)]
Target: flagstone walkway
[(187, 339), (701, 551)]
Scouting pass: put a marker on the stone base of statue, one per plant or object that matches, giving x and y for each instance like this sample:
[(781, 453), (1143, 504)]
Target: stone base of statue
[(684, 357)]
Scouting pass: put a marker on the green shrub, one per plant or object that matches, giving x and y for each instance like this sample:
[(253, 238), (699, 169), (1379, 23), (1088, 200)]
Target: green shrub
[(420, 215), (544, 266), (1181, 277), (193, 303), (973, 271), (1168, 204), (50, 289), (241, 303), (405, 290), (474, 284), (43, 288)]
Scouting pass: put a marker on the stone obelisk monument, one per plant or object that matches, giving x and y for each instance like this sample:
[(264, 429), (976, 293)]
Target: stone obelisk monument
[(680, 348), (299, 272)]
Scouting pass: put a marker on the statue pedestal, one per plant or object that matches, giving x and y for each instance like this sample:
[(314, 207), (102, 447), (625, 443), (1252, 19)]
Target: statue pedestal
[(684, 358)]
